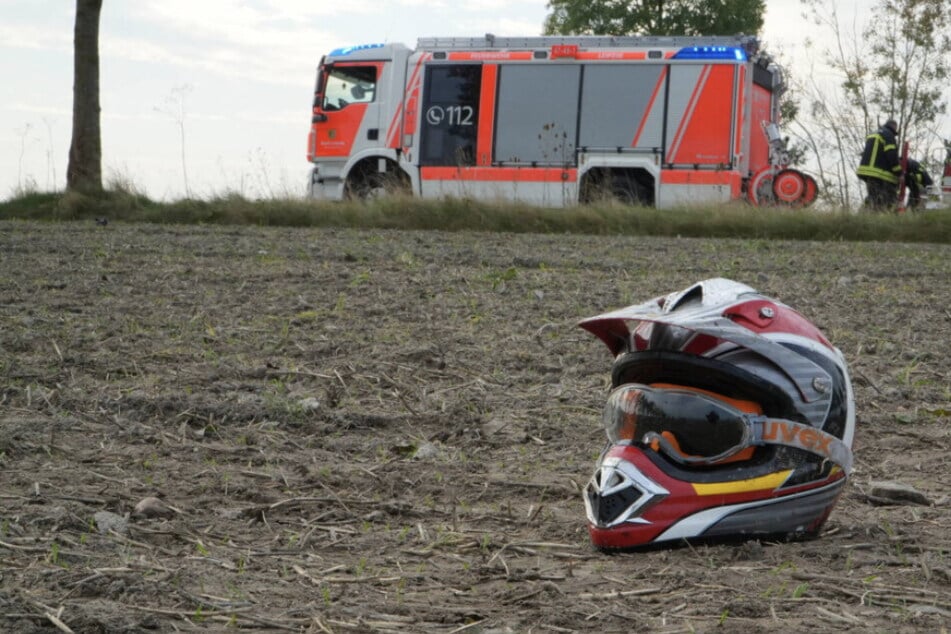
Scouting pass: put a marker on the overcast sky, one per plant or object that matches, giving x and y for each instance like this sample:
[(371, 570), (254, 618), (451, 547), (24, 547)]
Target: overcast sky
[(236, 75)]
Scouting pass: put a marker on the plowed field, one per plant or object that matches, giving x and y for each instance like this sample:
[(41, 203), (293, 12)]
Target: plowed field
[(219, 429)]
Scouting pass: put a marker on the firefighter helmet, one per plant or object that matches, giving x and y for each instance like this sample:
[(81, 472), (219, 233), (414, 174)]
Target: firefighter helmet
[(730, 416)]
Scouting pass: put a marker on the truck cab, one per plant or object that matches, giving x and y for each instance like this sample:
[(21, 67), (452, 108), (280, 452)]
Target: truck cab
[(352, 142)]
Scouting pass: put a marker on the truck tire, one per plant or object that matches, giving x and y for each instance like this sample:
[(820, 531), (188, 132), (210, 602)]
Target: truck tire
[(366, 182)]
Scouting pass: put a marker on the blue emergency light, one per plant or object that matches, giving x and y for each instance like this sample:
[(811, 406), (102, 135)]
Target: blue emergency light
[(732, 53), (347, 50)]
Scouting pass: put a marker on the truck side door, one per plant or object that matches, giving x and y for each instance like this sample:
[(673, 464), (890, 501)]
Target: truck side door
[(346, 110), (450, 115)]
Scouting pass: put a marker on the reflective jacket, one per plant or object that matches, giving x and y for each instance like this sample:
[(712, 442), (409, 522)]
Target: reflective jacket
[(918, 176), (880, 157)]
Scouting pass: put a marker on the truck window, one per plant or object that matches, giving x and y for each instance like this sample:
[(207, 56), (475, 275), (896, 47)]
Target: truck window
[(450, 115), (622, 106), (537, 120), (344, 85)]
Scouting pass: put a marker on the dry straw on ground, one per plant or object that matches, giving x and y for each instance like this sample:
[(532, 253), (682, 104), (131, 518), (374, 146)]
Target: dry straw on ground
[(368, 431)]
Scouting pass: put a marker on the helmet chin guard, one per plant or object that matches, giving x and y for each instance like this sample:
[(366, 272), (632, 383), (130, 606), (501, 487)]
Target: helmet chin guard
[(731, 416)]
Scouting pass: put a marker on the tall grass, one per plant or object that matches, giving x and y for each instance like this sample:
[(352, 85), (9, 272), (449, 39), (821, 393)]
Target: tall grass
[(462, 214)]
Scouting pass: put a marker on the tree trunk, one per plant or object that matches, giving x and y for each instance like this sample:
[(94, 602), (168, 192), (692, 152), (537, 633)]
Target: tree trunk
[(84, 172)]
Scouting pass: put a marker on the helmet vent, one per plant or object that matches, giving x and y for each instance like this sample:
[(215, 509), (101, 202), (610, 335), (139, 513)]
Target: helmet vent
[(608, 508), (690, 296)]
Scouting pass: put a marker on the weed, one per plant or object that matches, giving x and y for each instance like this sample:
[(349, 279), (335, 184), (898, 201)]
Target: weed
[(341, 304), (786, 565), (400, 589), (408, 260), (53, 557), (499, 278), (905, 373), (361, 278)]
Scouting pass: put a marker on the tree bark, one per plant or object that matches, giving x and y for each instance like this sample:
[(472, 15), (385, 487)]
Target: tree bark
[(84, 172)]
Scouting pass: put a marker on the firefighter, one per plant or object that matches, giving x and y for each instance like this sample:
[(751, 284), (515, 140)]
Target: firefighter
[(880, 167), (918, 180)]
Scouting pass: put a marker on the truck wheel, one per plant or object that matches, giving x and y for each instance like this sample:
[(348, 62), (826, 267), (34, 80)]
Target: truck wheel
[(370, 184), (760, 188), (794, 189), (605, 185), (626, 190)]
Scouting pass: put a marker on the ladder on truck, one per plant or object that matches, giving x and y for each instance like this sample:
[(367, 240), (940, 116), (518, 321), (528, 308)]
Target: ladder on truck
[(748, 42)]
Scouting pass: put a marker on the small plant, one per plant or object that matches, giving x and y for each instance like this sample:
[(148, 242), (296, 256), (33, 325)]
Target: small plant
[(786, 565), (53, 557), (341, 304), (723, 616), (407, 259), (499, 278), (360, 279), (400, 589)]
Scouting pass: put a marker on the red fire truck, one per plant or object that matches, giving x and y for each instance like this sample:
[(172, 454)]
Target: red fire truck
[(554, 121)]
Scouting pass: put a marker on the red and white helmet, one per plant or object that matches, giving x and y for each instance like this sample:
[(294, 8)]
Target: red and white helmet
[(731, 416)]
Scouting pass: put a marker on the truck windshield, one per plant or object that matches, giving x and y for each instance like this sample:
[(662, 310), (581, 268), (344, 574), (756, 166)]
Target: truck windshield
[(348, 84)]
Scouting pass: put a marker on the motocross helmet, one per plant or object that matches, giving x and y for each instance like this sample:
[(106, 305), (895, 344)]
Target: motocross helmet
[(731, 416)]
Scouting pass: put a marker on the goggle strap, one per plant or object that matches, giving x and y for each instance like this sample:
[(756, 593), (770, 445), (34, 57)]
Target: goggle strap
[(767, 431), (787, 433)]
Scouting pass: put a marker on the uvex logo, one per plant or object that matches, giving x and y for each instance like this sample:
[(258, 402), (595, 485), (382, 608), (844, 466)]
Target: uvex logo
[(797, 435)]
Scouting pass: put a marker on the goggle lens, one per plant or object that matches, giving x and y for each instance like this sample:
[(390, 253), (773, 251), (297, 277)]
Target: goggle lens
[(702, 425)]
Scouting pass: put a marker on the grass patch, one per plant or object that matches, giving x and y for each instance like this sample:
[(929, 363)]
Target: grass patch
[(735, 220)]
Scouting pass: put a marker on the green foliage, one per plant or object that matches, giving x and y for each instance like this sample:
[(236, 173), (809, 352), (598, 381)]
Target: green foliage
[(898, 68), (909, 69), (655, 17)]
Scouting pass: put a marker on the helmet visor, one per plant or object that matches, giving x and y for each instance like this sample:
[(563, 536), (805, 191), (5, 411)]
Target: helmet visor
[(702, 426)]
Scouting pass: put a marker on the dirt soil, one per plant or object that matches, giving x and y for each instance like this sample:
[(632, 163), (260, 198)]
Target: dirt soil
[(304, 430)]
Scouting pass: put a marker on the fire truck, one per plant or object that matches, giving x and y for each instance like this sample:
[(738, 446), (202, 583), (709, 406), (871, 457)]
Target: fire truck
[(554, 121)]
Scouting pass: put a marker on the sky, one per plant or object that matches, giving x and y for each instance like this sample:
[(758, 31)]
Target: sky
[(209, 97)]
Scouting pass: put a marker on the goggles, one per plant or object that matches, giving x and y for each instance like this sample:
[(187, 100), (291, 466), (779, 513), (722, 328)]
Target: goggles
[(697, 428)]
